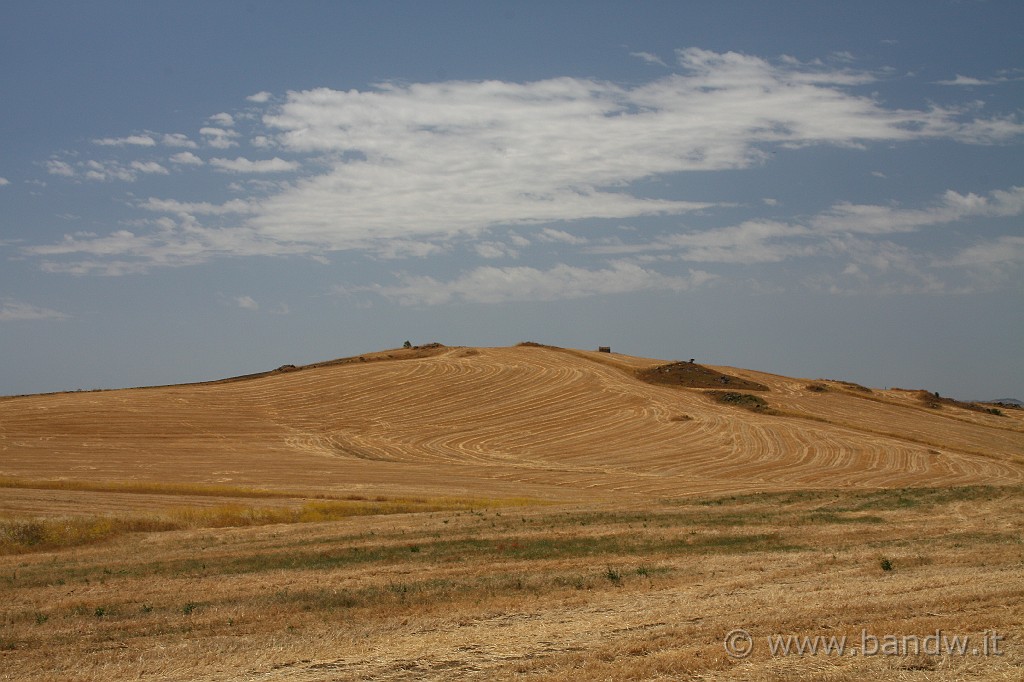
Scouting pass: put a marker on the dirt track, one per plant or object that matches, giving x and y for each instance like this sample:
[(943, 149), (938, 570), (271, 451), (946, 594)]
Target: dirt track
[(536, 421)]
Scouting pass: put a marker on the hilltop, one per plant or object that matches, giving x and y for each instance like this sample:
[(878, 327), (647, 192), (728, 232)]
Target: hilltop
[(552, 423)]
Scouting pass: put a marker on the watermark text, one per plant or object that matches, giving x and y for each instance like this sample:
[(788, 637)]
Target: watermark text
[(740, 643)]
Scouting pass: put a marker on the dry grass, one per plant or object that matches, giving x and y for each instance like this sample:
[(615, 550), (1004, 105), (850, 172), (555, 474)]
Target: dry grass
[(578, 592), (367, 519), (18, 536), (144, 488)]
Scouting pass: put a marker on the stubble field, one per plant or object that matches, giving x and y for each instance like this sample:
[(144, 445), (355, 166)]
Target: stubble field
[(496, 513)]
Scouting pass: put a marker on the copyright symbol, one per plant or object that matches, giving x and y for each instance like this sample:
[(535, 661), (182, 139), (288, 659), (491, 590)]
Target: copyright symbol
[(739, 644)]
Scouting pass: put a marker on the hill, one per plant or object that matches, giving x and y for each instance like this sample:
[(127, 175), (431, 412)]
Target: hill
[(546, 422), (503, 514)]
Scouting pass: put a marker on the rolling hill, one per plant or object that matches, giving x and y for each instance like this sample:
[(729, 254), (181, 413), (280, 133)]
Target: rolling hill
[(528, 420), (504, 514)]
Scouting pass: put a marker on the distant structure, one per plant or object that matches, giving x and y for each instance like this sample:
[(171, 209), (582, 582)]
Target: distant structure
[(604, 349)]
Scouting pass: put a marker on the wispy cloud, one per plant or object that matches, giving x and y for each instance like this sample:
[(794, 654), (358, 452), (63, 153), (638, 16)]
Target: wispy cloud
[(494, 250), (149, 167), (246, 303), (131, 140), (966, 81), (649, 58), (953, 206), (194, 208), (990, 264), (173, 242), (243, 165), (1006, 250), (105, 170), (402, 170), (764, 241), (186, 158), (4, 181), (11, 310), (498, 285), (219, 138), (223, 119), (61, 168), (549, 234), (178, 140)]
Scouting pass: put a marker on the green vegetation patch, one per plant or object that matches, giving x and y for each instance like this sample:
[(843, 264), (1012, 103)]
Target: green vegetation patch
[(935, 402), (28, 535), (692, 375), (745, 400)]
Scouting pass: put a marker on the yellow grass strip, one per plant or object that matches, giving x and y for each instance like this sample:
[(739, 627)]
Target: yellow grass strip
[(149, 488), (28, 535)]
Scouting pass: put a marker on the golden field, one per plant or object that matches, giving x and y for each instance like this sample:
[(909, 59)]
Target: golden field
[(526, 512)]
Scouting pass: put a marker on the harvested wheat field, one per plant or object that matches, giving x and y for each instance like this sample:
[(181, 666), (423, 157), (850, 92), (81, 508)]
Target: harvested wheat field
[(526, 512)]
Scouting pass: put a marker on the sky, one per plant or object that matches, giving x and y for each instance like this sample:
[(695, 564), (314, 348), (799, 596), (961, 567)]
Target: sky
[(194, 190)]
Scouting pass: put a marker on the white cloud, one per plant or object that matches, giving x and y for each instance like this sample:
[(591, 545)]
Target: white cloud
[(764, 241), (223, 119), (1005, 250), (62, 168), (493, 250), (419, 165), (990, 264), (243, 165), (4, 181), (549, 234), (235, 206), (219, 138), (260, 97), (247, 303), (393, 249), (965, 80), (649, 58), (149, 167), (131, 140), (11, 310), (187, 159), (178, 140), (953, 206), (172, 242), (498, 285), (103, 171), (749, 242), (453, 157)]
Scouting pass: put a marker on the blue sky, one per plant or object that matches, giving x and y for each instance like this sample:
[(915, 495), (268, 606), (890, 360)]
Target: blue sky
[(195, 190)]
